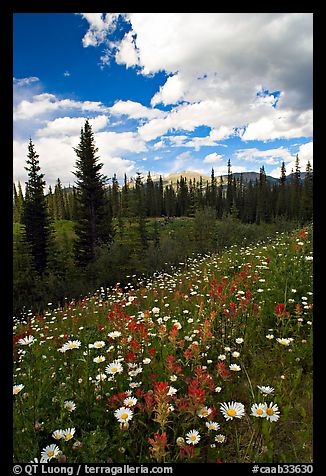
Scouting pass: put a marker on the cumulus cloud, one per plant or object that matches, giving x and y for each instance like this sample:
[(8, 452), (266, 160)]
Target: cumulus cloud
[(25, 81), (135, 110), (212, 158), (67, 126), (42, 104), (100, 24), (226, 88)]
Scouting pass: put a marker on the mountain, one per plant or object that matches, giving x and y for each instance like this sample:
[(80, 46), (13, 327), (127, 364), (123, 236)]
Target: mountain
[(188, 174)]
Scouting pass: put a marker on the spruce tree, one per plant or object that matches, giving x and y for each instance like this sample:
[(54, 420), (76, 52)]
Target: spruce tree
[(94, 219), (35, 211)]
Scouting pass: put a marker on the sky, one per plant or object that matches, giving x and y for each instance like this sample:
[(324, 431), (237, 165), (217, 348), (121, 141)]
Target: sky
[(164, 92)]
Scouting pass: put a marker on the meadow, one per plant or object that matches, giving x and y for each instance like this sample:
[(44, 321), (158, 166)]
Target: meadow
[(207, 361)]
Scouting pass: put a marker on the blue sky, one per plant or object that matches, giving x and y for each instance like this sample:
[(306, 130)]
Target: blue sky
[(164, 92)]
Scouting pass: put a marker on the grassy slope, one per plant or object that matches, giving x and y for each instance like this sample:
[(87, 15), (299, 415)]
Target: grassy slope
[(223, 297)]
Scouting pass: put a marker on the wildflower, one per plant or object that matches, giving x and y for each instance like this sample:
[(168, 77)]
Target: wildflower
[(204, 412), (235, 354), (221, 357), (212, 425), (156, 310), (28, 340), (98, 344), (57, 434), (235, 367), (146, 361), (101, 377), (114, 368), (49, 452), (258, 410), (69, 405), (220, 438), (123, 414), (130, 401), (192, 437), (239, 340), (114, 334), (68, 434), (172, 391), (265, 390), (99, 359), (232, 410), (75, 344), (17, 389), (269, 336), (218, 389), (272, 412), (283, 341)]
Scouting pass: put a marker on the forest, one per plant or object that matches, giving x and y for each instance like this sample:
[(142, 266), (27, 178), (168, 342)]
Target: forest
[(70, 241)]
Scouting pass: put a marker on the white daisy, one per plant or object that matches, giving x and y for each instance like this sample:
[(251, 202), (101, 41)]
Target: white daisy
[(272, 412), (130, 401), (284, 341), (28, 340), (68, 434), (114, 368), (232, 410), (99, 359), (123, 414), (99, 344), (266, 390), (192, 437), (204, 412), (235, 367), (114, 334), (258, 410), (57, 434), (17, 389), (220, 438), (49, 452), (69, 405), (212, 425), (71, 344)]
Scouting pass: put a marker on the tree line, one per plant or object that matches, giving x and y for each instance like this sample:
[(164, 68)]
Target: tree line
[(111, 220)]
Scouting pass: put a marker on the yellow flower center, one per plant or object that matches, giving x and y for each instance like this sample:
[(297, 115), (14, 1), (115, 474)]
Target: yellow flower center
[(205, 413), (50, 454), (270, 411), (114, 369), (124, 416), (72, 346), (68, 436), (193, 437), (259, 411), (231, 412)]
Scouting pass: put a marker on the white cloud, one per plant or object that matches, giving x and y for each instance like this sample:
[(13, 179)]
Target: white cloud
[(100, 24), (127, 52), (45, 103), (25, 81), (218, 62), (270, 156), (305, 153), (212, 158), (67, 126), (135, 110)]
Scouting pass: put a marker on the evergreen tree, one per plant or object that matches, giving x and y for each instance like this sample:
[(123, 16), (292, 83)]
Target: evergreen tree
[(18, 204), (35, 212), (307, 195), (94, 220)]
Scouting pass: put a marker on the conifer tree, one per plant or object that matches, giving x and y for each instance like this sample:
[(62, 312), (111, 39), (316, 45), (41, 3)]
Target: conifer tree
[(35, 212), (94, 220)]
